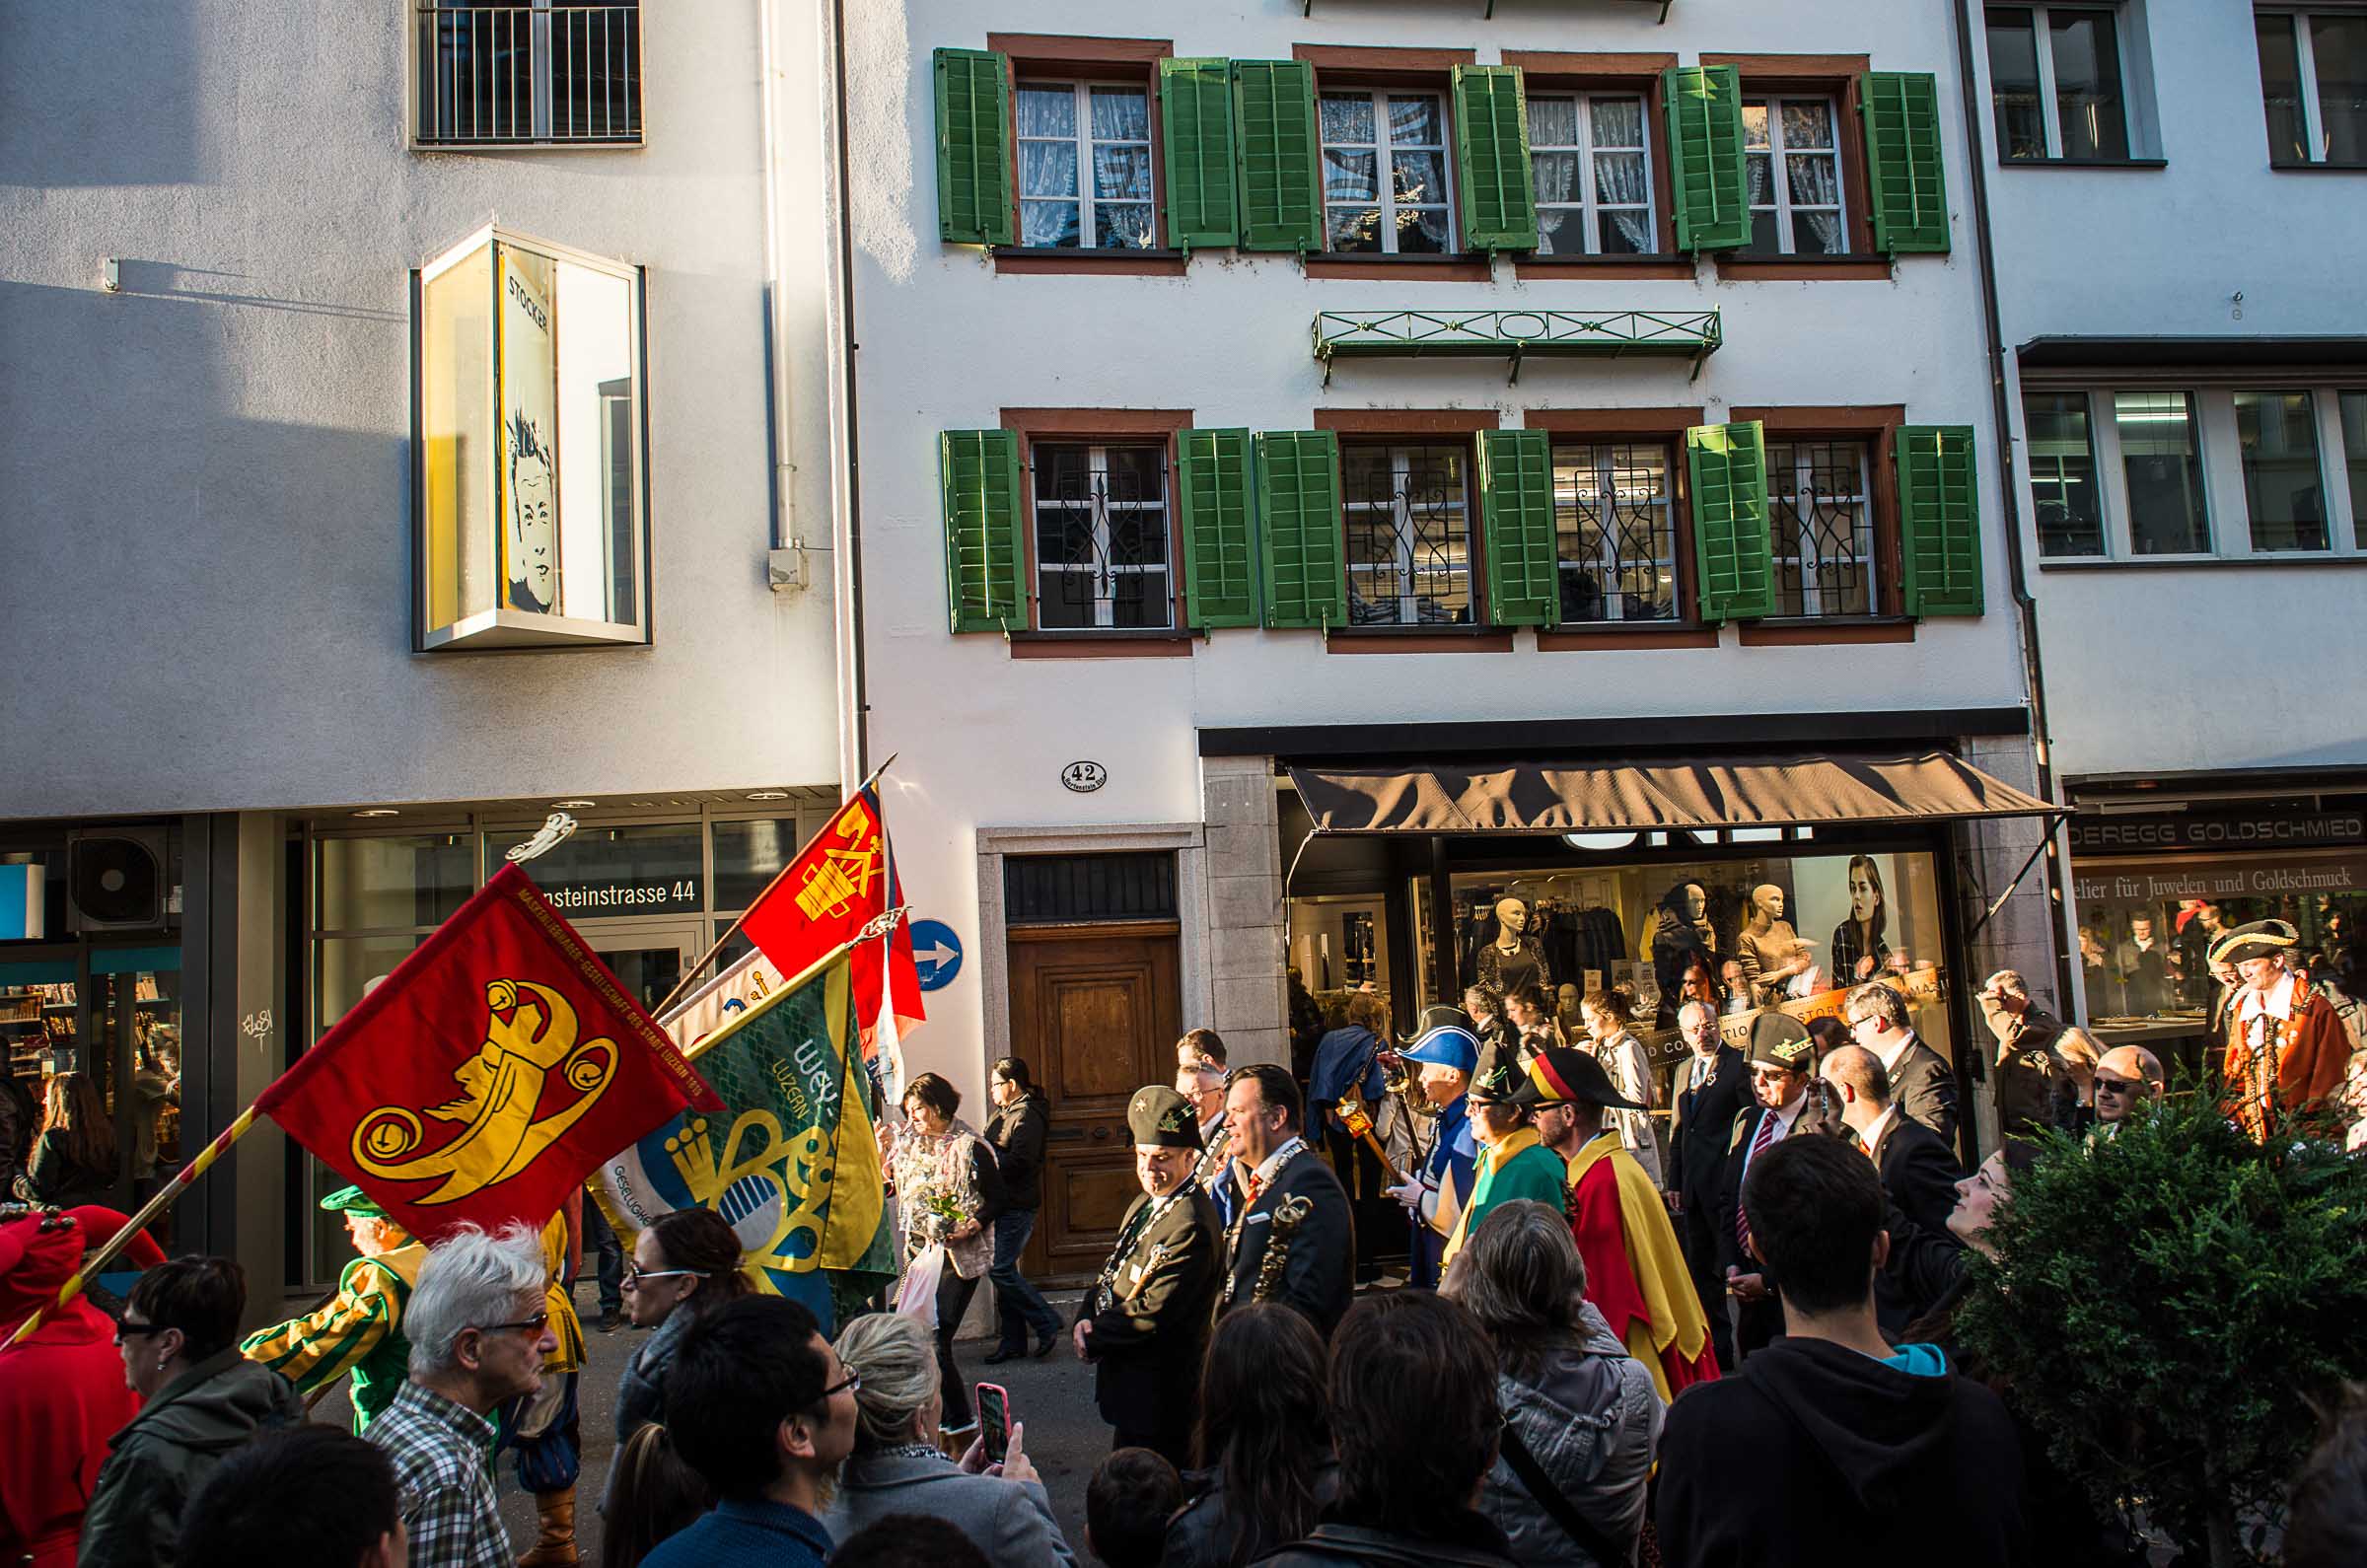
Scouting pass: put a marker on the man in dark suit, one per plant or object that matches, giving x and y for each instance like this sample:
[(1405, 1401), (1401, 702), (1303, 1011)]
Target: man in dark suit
[(1782, 1061), (1712, 1089), (1145, 1322), (1918, 1173), (1923, 1086), (1288, 1189)]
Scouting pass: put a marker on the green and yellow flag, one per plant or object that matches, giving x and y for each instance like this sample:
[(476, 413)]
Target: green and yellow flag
[(792, 1161)]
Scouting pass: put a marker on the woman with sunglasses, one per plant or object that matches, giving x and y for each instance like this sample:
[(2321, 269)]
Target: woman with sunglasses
[(201, 1400), (682, 1266)]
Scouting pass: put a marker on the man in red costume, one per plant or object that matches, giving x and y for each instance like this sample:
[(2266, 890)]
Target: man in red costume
[(1635, 1273), (62, 1392), (2287, 1050)]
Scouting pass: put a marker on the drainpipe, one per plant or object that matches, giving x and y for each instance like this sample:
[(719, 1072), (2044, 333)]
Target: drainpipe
[(2024, 606), (855, 685)]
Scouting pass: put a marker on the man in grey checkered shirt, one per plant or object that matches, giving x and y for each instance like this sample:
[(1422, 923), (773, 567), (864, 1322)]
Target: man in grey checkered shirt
[(479, 1328)]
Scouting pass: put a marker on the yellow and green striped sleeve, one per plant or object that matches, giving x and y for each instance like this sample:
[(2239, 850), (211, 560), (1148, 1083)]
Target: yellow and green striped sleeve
[(316, 1351)]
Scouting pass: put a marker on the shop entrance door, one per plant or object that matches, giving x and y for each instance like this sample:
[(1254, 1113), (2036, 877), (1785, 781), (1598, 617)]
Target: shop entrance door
[(1095, 1011), (648, 957)]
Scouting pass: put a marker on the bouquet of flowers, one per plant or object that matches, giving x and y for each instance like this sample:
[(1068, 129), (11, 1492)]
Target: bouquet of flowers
[(941, 1214)]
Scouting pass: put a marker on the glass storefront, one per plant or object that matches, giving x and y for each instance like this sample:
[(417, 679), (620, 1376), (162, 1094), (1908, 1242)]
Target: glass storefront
[(650, 895)]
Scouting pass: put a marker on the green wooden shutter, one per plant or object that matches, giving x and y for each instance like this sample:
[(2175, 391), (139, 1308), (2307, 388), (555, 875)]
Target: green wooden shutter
[(973, 148), (1220, 551), (1939, 520), (1904, 170), (984, 567), (1196, 114), (1492, 148), (1273, 126), (1516, 508), (1704, 109), (1734, 565), (1298, 517)]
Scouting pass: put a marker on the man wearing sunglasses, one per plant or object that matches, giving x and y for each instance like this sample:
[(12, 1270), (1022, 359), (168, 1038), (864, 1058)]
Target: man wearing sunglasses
[(2126, 1076), (1782, 1061), (480, 1326)]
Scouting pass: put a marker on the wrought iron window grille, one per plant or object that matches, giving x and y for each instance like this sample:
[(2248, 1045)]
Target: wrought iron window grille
[(526, 75), (1514, 335), (1615, 532), (1101, 539), (1406, 511), (1820, 518)]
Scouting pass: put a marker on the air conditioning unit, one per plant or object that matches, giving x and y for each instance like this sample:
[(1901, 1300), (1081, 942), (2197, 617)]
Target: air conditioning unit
[(116, 880)]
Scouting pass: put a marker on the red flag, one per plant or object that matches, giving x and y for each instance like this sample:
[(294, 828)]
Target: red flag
[(488, 1075), (838, 883)]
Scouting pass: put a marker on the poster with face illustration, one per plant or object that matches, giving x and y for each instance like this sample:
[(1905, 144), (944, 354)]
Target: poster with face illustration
[(529, 432)]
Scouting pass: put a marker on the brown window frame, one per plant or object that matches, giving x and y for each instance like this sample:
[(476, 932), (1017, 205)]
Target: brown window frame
[(1877, 425), (1348, 67), (1838, 77), (1058, 57), (1668, 427), (1551, 72), (1134, 427), (1397, 427)]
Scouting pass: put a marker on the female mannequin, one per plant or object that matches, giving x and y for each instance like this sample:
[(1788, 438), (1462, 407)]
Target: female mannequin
[(1516, 957), (1681, 929), (1769, 951)]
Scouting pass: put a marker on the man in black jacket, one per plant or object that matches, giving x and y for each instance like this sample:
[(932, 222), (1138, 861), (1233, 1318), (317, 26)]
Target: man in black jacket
[(1712, 1089), (1782, 1061), (1922, 1083), (1830, 1445), (1284, 1185), (1918, 1173), (1144, 1324)]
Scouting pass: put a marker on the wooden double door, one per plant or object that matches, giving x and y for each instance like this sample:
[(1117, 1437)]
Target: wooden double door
[(1095, 1012)]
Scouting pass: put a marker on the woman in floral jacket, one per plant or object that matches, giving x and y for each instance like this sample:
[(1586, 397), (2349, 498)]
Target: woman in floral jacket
[(948, 1192)]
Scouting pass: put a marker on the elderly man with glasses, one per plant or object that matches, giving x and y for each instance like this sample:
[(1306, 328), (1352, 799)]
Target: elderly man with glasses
[(480, 1326), (1922, 1083), (2126, 1076)]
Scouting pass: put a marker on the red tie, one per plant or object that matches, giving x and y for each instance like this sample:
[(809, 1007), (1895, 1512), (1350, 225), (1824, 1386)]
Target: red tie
[(1759, 1146), (1256, 1186)]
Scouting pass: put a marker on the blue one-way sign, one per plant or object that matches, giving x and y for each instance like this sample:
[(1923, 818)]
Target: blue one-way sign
[(936, 954)]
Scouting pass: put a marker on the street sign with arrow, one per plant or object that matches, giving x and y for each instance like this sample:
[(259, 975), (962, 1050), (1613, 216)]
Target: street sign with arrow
[(936, 954)]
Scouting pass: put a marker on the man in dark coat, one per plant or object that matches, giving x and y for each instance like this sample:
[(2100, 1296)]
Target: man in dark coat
[(1782, 1061), (1831, 1445), (1285, 1186), (1918, 1173), (2034, 1083), (1922, 1083), (1712, 1089), (1144, 1324)]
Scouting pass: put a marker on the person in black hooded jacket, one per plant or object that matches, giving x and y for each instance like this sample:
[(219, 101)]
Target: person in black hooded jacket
[(1831, 1445)]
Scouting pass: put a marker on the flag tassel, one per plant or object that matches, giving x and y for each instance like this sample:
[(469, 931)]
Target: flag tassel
[(97, 1262)]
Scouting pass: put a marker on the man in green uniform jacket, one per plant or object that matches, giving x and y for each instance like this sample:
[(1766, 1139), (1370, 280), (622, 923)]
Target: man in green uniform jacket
[(1513, 1163), (360, 1332)]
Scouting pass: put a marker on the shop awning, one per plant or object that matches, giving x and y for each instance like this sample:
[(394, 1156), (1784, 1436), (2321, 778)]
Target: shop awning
[(1555, 798)]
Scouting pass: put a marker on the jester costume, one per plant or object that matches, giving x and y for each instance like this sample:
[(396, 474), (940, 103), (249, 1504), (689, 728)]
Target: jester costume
[(360, 1330)]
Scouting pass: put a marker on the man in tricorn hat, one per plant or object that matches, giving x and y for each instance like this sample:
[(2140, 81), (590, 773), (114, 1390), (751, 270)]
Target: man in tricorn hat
[(1445, 1054), (2286, 1048), (1635, 1273), (1782, 1063), (360, 1330), (1145, 1322)]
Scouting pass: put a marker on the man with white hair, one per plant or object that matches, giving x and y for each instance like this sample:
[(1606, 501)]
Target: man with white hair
[(479, 1326), (1712, 1089), (2034, 1085)]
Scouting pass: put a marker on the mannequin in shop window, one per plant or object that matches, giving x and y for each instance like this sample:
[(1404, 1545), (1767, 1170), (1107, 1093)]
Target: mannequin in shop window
[(1769, 950), (1516, 959), (1859, 942), (1677, 933)]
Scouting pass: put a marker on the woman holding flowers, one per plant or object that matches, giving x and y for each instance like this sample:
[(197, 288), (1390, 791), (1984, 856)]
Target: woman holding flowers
[(948, 1192)]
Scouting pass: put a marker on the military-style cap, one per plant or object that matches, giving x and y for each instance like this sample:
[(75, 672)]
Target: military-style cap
[(353, 1200), (1161, 1118), (2261, 939), (1439, 1015), (1450, 1043), (1561, 1075), (1781, 1041), (1495, 1083)]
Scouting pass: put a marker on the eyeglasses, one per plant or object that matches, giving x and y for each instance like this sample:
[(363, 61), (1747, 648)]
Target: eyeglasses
[(850, 1383), (126, 1331), (635, 1276), (2117, 1085), (533, 1326)]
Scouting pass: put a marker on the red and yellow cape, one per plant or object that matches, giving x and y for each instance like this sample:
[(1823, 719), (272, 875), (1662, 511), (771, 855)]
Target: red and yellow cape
[(1636, 1274)]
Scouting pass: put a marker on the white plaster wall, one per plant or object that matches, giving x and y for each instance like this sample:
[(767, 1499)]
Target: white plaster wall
[(205, 578), (947, 343), (2168, 669)]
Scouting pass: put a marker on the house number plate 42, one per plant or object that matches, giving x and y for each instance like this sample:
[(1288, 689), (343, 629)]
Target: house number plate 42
[(1084, 777)]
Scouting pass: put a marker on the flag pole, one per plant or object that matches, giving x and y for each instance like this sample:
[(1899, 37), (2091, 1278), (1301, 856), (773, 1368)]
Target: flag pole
[(691, 974), (97, 1262), (698, 1047)]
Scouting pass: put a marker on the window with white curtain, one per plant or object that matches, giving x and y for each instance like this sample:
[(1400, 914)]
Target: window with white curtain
[(1102, 539), (1386, 186), (1593, 162), (2313, 84), (1821, 523), (1615, 538), (1084, 166), (2056, 83), (1794, 151)]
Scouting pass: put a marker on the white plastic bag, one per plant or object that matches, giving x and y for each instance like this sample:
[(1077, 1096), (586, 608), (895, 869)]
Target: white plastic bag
[(917, 1295)]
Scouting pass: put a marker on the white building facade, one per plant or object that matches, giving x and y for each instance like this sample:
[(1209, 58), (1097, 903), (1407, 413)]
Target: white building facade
[(1281, 419), (2188, 398), (418, 423)]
